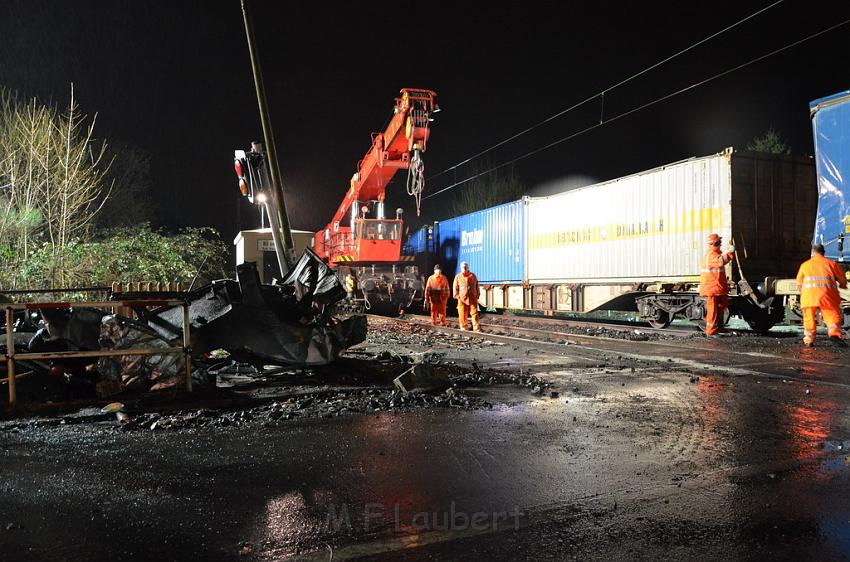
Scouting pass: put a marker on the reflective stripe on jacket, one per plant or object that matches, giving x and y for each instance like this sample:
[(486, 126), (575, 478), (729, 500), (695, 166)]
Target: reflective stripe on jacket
[(712, 278), (437, 288), (466, 288), (819, 279)]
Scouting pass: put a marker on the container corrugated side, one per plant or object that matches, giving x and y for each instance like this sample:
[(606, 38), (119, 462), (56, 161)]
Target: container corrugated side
[(491, 240), (649, 226)]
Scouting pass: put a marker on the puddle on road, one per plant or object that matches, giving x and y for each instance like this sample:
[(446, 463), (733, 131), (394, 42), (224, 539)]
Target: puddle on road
[(832, 446), (838, 458), (834, 465), (836, 529)]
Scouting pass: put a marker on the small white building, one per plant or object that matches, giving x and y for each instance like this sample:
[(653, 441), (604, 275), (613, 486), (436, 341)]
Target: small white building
[(258, 246)]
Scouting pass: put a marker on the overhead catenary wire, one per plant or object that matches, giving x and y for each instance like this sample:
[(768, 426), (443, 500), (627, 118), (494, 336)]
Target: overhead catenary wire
[(639, 108), (603, 92)]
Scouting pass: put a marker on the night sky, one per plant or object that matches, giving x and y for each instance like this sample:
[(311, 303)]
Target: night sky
[(174, 79)]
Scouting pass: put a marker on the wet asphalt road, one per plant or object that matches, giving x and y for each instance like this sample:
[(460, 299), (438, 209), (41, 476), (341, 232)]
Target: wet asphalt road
[(669, 461)]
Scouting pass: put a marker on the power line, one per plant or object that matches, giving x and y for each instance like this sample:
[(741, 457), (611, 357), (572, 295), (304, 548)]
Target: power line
[(639, 108), (603, 92)]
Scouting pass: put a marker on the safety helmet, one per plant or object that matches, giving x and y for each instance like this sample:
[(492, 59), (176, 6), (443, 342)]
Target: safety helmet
[(713, 239), (436, 267)]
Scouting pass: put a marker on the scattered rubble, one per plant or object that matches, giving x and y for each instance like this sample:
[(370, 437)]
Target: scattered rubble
[(421, 377), (334, 403), (624, 333), (456, 389)]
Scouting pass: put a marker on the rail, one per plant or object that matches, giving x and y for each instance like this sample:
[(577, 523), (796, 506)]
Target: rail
[(11, 356)]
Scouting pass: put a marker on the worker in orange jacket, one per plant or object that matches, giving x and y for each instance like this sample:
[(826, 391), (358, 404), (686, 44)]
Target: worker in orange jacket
[(820, 279), (437, 296), (466, 292), (713, 284)]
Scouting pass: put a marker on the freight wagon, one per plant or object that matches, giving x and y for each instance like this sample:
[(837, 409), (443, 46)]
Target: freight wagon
[(635, 243)]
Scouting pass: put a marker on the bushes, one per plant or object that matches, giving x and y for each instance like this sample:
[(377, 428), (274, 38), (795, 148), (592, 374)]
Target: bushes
[(142, 254), (137, 253)]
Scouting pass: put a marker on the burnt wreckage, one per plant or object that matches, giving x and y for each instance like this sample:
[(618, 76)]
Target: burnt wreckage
[(290, 323)]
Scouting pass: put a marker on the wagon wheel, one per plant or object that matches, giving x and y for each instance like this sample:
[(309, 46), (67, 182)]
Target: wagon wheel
[(765, 317), (660, 319), (761, 324)]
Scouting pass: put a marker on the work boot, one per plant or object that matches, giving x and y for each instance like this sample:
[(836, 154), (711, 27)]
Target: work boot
[(808, 343), (838, 340)]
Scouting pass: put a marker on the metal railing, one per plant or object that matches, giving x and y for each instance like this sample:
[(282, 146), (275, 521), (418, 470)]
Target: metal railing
[(11, 356)]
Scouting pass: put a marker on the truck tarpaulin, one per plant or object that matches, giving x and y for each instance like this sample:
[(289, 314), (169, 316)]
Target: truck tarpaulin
[(831, 128)]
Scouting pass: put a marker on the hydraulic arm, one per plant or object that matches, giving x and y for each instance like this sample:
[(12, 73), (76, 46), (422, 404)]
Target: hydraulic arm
[(353, 236)]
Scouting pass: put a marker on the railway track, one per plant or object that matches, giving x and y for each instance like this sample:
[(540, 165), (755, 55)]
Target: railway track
[(513, 321), (819, 366)]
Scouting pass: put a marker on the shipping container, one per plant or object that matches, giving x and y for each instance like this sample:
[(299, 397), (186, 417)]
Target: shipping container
[(651, 227), (831, 128), (492, 241)]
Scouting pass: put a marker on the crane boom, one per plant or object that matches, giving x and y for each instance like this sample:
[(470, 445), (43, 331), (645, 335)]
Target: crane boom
[(378, 240)]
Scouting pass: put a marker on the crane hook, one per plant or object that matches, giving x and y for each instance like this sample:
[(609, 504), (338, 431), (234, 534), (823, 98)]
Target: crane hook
[(416, 179)]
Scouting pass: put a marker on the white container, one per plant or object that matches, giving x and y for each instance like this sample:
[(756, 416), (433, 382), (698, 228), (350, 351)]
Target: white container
[(650, 226)]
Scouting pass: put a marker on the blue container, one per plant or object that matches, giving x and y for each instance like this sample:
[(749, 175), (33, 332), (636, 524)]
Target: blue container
[(491, 240), (831, 128), (420, 242)]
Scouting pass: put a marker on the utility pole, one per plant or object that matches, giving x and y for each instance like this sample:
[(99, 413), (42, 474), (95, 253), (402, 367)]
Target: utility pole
[(278, 218)]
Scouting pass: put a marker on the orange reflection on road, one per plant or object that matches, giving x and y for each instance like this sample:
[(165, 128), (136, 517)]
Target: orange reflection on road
[(710, 391), (714, 412), (809, 424)]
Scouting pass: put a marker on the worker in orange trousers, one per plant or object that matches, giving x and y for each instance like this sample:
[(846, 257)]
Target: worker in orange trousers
[(713, 284), (466, 292), (437, 296), (819, 279)]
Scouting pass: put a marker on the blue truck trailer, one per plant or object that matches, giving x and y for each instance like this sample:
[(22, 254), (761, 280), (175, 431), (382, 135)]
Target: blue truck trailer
[(831, 129)]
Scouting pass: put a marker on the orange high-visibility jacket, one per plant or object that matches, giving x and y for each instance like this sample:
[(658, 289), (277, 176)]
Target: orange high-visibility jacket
[(437, 288), (819, 280), (466, 288), (712, 279)]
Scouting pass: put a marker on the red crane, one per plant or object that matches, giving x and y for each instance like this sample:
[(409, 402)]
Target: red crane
[(354, 238)]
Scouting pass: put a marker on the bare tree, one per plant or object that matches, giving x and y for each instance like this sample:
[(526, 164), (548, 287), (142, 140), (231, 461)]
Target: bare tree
[(52, 178)]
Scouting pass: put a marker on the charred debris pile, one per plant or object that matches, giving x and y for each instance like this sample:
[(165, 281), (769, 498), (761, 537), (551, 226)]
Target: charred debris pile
[(290, 324)]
